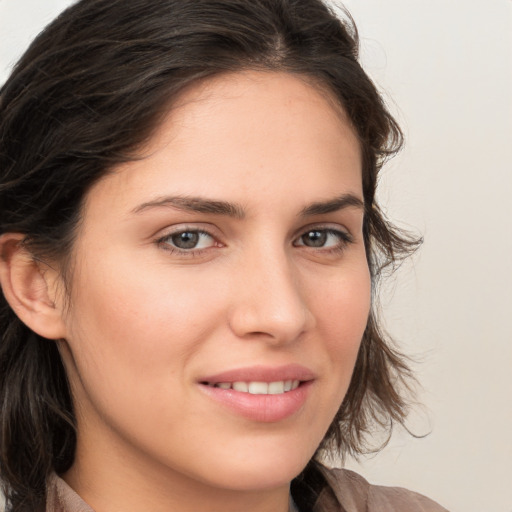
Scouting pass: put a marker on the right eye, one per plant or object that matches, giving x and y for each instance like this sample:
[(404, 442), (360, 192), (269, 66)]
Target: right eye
[(188, 240)]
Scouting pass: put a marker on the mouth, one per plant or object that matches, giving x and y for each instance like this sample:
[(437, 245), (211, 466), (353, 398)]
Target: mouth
[(259, 393), (258, 388)]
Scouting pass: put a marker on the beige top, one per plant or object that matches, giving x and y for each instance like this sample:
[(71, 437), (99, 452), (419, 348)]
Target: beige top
[(349, 492), (345, 491)]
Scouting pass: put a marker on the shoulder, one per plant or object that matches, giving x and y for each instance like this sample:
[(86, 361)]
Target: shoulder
[(61, 498), (355, 494)]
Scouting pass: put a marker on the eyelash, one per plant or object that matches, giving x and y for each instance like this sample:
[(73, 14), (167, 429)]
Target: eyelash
[(344, 239), (165, 242)]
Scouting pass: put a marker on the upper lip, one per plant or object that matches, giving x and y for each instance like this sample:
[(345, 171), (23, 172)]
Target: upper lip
[(262, 374)]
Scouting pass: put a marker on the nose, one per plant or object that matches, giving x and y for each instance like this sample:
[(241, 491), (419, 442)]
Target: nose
[(268, 301)]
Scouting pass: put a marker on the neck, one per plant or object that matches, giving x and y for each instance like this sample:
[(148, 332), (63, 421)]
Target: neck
[(133, 485)]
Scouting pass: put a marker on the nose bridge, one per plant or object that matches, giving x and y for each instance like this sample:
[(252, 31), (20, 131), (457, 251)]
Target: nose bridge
[(269, 300)]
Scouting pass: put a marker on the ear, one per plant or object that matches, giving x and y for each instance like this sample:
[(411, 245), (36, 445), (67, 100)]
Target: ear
[(31, 288)]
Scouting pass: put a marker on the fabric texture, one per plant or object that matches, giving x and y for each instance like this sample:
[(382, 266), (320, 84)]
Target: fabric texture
[(347, 491), (318, 489), (61, 498)]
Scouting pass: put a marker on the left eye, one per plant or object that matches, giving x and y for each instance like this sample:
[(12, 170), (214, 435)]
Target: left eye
[(187, 240), (323, 238)]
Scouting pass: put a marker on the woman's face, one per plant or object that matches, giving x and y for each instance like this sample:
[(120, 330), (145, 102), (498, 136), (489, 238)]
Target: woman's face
[(220, 289)]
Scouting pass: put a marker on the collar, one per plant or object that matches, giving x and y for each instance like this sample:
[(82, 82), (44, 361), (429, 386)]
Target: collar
[(62, 498)]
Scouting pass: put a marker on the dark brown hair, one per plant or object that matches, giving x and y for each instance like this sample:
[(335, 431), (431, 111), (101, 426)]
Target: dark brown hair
[(89, 91)]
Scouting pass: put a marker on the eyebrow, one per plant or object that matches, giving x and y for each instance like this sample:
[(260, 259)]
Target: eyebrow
[(195, 204), (235, 210), (333, 205)]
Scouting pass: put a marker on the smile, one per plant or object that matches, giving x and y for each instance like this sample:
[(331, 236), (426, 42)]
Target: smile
[(261, 393), (259, 388)]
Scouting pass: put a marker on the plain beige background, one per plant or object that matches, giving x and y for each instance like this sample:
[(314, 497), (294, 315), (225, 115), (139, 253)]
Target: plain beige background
[(446, 69), (447, 64)]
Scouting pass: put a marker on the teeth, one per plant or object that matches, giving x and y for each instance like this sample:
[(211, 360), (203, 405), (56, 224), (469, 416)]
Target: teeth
[(260, 388), (241, 386), (275, 388)]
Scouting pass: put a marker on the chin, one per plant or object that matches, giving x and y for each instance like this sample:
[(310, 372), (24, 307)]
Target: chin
[(260, 478), (255, 473)]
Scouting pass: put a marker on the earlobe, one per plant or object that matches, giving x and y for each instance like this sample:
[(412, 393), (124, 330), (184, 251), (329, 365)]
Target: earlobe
[(30, 288)]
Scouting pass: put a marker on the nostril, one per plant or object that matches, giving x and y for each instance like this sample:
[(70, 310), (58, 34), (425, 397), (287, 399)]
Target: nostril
[(270, 308)]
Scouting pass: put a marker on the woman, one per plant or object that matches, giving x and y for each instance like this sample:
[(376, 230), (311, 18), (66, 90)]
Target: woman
[(189, 242)]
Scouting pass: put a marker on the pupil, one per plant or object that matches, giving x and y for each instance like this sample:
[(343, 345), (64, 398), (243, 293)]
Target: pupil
[(185, 240), (315, 238)]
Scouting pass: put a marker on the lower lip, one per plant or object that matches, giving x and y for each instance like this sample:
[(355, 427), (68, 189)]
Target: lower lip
[(261, 408)]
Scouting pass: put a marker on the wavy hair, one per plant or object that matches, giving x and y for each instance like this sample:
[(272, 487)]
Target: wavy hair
[(89, 91)]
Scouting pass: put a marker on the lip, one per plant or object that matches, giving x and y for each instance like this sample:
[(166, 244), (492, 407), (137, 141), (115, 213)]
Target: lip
[(262, 374), (260, 408)]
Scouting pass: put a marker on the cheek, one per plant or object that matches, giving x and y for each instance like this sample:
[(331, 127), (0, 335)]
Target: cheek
[(133, 328), (138, 307), (343, 301), (342, 314)]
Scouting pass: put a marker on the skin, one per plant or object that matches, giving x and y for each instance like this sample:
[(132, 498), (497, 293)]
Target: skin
[(146, 321)]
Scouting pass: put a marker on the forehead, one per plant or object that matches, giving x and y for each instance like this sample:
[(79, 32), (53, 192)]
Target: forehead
[(259, 98), (236, 134)]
